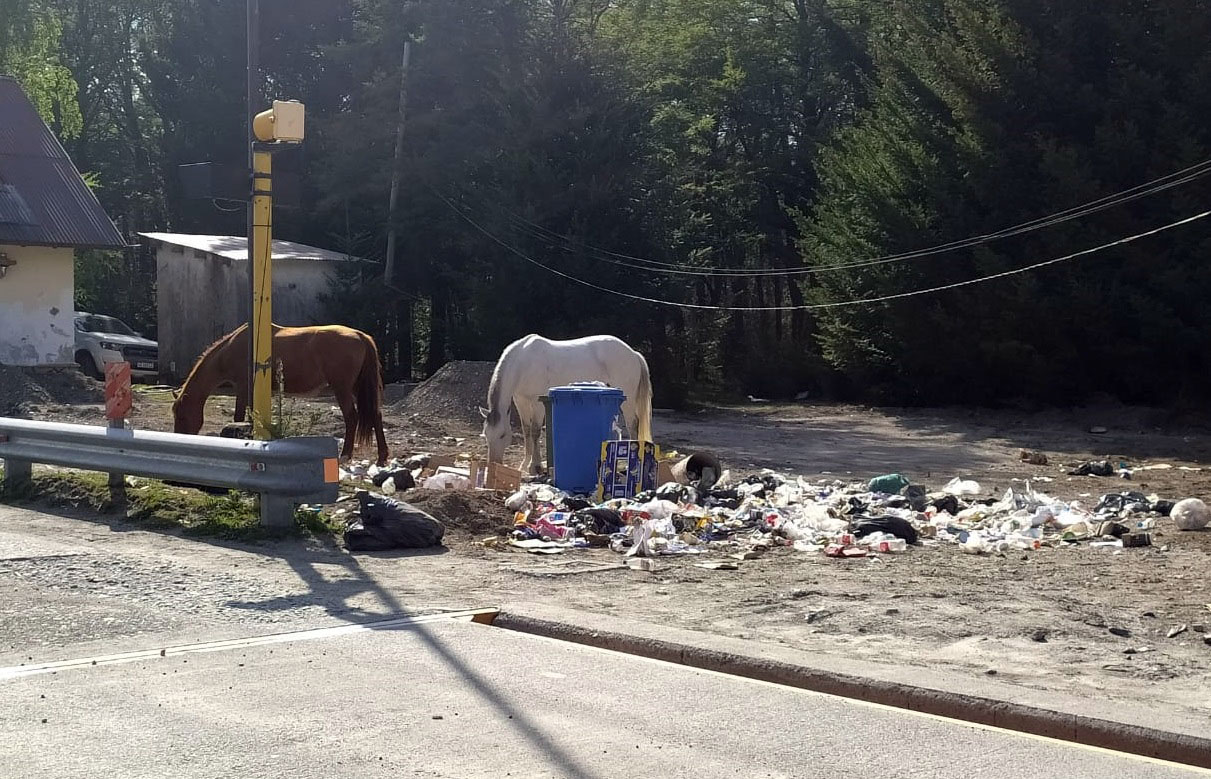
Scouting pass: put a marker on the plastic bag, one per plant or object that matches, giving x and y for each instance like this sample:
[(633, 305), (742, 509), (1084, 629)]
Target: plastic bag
[(963, 488), (391, 524), (890, 484), (895, 526), (447, 481)]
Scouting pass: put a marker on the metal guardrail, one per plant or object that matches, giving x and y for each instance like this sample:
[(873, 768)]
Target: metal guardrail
[(284, 473)]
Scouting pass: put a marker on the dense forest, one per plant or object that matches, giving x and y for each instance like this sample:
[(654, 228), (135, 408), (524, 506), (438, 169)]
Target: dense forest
[(652, 168)]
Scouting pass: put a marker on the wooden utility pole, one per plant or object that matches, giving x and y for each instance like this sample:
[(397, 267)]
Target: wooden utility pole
[(389, 270)]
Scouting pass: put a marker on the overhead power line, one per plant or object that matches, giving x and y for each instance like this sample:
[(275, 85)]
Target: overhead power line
[(816, 306), (1161, 184)]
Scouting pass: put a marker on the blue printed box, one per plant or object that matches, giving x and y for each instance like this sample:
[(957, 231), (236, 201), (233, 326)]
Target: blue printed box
[(627, 468)]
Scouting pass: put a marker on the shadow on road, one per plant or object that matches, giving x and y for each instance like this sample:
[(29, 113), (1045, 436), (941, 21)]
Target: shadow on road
[(335, 595)]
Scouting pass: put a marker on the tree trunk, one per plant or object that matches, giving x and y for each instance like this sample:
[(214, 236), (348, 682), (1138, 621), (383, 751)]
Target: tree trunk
[(438, 330), (403, 338)]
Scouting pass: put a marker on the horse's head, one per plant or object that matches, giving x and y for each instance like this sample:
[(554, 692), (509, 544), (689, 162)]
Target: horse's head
[(186, 417), (496, 432)]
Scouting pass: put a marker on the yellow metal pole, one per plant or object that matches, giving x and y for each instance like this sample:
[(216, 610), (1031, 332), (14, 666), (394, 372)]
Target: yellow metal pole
[(262, 293)]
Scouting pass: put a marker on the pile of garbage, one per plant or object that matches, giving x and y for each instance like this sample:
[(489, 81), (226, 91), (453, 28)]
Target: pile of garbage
[(889, 514), (397, 475)]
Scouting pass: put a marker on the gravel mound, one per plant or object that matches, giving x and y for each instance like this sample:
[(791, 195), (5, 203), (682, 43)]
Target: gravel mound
[(454, 393), (22, 389)]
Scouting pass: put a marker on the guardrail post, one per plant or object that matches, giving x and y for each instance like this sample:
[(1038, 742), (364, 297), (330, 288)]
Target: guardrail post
[(18, 477), (117, 481), (277, 512)]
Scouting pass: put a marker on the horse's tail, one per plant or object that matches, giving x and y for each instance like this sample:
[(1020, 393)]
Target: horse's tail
[(643, 401), (369, 394)]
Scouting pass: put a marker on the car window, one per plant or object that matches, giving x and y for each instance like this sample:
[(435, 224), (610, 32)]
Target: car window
[(104, 324)]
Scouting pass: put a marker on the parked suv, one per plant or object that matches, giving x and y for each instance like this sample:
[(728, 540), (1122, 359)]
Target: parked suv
[(104, 339)]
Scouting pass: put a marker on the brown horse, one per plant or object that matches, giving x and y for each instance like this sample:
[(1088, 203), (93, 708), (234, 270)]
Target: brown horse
[(310, 357)]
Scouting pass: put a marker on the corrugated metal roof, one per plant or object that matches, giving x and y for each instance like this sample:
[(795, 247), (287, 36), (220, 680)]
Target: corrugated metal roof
[(59, 209), (235, 247)]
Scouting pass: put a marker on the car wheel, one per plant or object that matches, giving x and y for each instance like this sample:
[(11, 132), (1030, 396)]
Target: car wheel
[(89, 366)]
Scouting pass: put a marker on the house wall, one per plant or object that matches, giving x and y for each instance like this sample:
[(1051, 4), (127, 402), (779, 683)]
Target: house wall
[(37, 306), (202, 296)]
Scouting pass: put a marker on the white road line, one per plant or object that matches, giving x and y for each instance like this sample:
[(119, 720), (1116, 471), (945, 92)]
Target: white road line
[(21, 671)]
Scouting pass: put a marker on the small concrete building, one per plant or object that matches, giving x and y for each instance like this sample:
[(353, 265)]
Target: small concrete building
[(202, 290), (46, 213)]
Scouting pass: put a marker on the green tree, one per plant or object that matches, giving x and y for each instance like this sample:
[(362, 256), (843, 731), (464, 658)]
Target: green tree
[(985, 115), (742, 96), (30, 50)]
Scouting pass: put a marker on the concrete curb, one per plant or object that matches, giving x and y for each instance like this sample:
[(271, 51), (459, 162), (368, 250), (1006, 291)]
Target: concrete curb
[(1092, 731)]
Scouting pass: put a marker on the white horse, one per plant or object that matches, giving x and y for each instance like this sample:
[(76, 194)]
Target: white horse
[(531, 365)]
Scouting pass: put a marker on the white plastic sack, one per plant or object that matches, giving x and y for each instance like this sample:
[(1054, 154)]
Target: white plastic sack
[(962, 488), (517, 501), (447, 481), (1191, 514)]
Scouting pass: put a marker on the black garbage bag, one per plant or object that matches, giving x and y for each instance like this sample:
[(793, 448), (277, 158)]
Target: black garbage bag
[(917, 496), (947, 503), (900, 528), (1093, 468), (1123, 501), (678, 493), (386, 523), (670, 491), (854, 505), (403, 478), (600, 521), (416, 461), (1163, 506)]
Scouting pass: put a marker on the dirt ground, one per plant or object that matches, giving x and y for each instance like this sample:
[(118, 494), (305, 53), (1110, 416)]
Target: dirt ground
[(1040, 619)]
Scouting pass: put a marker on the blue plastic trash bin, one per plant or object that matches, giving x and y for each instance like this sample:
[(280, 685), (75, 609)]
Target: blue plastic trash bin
[(582, 416)]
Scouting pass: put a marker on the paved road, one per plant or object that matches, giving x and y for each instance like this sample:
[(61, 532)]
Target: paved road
[(453, 699)]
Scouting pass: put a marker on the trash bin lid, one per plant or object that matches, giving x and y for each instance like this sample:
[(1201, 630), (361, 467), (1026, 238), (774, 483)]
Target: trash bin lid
[(594, 388)]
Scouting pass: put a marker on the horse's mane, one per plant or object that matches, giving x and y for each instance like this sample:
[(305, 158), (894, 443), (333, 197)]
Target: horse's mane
[(495, 386), (494, 392), (205, 354)]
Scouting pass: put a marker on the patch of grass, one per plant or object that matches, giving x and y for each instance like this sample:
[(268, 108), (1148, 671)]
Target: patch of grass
[(317, 523), (78, 490), (234, 516)]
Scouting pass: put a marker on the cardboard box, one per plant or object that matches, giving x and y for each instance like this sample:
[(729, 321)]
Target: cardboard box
[(626, 468), (495, 476)]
